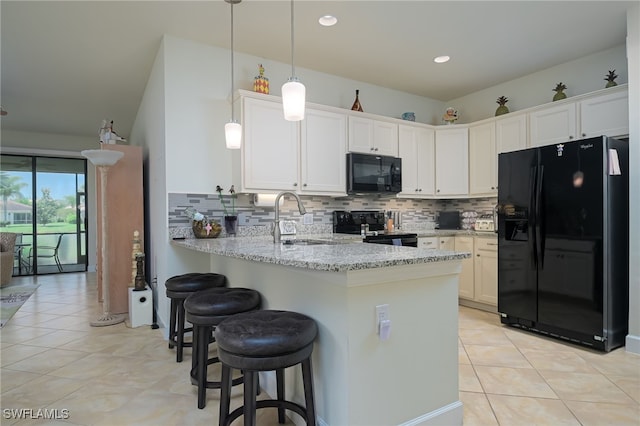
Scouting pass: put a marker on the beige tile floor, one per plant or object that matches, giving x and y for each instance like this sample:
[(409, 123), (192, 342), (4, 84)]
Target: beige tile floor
[(52, 359)]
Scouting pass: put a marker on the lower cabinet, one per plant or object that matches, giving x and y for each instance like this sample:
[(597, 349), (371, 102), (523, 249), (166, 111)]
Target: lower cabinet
[(486, 271), (478, 282), (466, 280)]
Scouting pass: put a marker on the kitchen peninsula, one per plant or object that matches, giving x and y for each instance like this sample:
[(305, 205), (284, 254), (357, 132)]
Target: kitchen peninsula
[(360, 379)]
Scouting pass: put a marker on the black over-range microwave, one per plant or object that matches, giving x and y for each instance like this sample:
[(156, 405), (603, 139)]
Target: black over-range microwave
[(367, 173)]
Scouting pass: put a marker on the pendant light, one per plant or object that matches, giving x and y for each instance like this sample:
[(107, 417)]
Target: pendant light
[(293, 91), (233, 129)]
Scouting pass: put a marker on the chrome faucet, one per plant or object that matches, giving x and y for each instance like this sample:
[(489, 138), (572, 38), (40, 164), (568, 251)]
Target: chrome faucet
[(276, 228)]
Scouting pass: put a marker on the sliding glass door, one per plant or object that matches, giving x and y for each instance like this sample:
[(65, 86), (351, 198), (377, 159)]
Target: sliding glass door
[(43, 201)]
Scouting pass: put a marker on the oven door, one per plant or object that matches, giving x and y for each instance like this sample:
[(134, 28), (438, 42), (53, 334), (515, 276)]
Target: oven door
[(409, 240)]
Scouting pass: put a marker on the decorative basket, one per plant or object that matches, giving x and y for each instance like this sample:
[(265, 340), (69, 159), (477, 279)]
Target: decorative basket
[(200, 228)]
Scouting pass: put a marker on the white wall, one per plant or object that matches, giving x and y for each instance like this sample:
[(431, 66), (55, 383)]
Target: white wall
[(581, 76), (633, 57)]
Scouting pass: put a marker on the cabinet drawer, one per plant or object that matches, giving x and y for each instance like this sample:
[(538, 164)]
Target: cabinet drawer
[(428, 242), (490, 244)]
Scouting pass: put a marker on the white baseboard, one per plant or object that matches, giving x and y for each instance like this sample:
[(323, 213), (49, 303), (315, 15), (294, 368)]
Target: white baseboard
[(632, 344), (448, 415)]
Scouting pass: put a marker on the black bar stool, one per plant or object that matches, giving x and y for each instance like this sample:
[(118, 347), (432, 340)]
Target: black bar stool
[(178, 288), (263, 341), (205, 310)]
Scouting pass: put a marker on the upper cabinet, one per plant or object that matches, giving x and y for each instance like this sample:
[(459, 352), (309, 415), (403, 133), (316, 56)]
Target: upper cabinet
[(483, 160), (370, 136), (553, 125), (417, 148), (307, 157), (323, 147), (607, 114), (269, 147), (511, 133), (602, 113), (452, 161)]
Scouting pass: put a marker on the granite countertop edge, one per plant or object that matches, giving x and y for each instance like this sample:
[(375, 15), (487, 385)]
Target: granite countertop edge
[(340, 255)]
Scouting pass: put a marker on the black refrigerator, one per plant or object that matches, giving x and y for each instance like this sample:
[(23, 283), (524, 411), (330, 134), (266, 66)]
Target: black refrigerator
[(563, 241)]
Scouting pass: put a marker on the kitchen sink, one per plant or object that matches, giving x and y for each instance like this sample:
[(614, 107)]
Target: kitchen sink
[(307, 242)]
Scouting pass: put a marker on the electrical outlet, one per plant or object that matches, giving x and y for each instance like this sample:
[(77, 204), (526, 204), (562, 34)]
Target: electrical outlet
[(382, 314), (307, 219)]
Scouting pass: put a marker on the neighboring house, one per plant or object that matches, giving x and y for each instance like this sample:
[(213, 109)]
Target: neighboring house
[(17, 213)]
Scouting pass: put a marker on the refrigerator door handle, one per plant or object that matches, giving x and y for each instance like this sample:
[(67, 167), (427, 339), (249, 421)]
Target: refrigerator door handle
[(539, 222), (532, 218)]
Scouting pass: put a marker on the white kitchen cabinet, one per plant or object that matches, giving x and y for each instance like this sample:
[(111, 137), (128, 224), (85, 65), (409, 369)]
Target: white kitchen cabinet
[(416, 148), (466, 278), (511, 133), (552, 125), (606, 114), (446, 243), (428, 243), (323, 147), (452, 162), (486, 270), (269, 148), (371, 136), (483, 160)]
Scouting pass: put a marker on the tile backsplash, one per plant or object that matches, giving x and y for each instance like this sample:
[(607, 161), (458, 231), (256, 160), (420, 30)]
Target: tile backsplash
[(252, 220)]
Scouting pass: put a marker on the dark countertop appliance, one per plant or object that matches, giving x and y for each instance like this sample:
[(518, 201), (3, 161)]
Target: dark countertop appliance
[(563, 239), (378, 174), (449, 220), (352, 222)]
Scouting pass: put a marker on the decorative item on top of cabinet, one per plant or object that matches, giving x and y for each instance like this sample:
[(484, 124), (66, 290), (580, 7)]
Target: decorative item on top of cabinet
[(450, 115), (260, 82), (409, 116), (560, 88), (502, 109), (611, 79), (357, 106)]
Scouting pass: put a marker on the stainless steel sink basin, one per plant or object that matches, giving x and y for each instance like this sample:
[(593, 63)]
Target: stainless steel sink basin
[(307, 242)]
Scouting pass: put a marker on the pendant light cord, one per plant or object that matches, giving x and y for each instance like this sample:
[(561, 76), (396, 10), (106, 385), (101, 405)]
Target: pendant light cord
[(293, 71), (232, 83)]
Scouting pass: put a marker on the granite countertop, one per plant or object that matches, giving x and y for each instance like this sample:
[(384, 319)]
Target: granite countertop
[(339, 255)]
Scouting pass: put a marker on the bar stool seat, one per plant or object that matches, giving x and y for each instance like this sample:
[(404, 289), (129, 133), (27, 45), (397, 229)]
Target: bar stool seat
[(178, 288), (206, 309), (263, 341)]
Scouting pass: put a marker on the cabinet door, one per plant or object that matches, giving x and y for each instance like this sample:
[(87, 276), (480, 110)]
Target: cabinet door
[(452, 162), (483, 173), (323, 148), (428, 243), (361, 135), (553, 125), (605, 115), (446, 243), (416, 148), (511, 133), (486, 271), (466, 278), (385, 138), (270, 148)]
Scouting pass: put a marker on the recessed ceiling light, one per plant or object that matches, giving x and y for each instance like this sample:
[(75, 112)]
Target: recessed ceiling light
[(441, 59), (328, 20)]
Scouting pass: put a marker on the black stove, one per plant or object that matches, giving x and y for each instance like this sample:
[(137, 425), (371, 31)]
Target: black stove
[(350, 222)]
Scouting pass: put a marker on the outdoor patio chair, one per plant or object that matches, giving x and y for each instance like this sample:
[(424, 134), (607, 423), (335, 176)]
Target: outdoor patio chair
[(48, 251)]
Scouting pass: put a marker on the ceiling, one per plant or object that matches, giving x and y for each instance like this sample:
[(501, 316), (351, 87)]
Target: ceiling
[(67, 65)]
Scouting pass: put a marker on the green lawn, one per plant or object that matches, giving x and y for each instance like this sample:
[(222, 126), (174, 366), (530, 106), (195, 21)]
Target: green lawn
[(51, 228)]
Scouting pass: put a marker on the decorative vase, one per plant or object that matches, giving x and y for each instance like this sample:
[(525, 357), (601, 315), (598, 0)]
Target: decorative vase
[(356, 104), (206, 229), (231, 224)]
